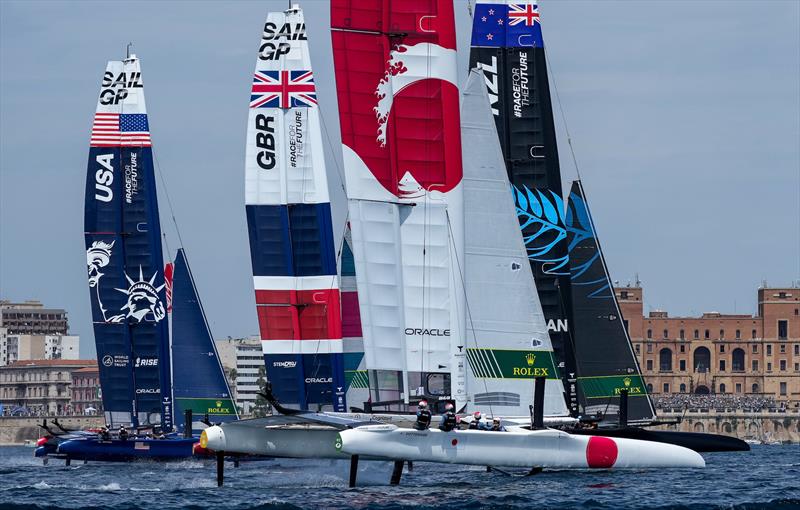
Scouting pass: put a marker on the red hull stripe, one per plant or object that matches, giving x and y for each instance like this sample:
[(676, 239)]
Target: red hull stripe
[(299, 315)]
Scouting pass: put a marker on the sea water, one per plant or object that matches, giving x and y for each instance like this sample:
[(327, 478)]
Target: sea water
[(767, 477)]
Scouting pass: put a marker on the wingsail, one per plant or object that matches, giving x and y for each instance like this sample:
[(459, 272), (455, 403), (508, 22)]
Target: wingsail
[(507, 45), (507, 341), (606, 361), (289, 220), (199, 379), (396, 79), (123, 255)]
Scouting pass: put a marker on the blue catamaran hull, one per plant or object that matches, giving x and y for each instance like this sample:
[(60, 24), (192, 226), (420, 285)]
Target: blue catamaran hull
[(116, 450)]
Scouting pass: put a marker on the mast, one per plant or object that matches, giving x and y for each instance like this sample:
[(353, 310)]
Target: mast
[(123, 255), (507, 45), (396, 78), (507, 340), (288, 210), (606, 361)]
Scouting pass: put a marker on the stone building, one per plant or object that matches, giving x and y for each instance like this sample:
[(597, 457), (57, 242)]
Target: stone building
[(720, 354), (30, 331), (86, 393), (39, 387)]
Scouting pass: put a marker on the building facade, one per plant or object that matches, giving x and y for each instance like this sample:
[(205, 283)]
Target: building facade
[(720, 354), (86, 393), (29, 331), (39, 387), (249, 367)]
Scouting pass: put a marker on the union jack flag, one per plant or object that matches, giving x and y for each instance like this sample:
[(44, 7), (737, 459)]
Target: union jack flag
[(283, 89), (523, 13)]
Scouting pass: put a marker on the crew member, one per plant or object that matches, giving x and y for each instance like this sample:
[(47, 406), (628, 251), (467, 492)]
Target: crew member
[(448, 418), (476, 423), (123, 433), (104, 435), (496, 426), (423, 416)]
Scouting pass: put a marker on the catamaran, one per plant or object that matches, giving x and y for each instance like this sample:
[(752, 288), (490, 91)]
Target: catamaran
[(593, 351), (152, 376), (448, 313)]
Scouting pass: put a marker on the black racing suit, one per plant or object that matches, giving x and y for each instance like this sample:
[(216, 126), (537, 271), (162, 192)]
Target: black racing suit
[(448, 421), (423, 419)]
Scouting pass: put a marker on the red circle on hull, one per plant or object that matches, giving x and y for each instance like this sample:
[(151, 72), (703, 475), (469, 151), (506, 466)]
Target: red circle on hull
[(454, 442), (601, 452)]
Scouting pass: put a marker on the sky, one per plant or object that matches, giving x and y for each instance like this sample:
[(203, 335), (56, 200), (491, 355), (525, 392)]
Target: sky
[(684, 118)]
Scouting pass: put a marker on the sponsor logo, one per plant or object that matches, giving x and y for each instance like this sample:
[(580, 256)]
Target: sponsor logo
[(275, 41), (145, 362), (318, 380), (115, 88), (530, 370), (284, 364), (338, 443), (103, 178), (147, 391), (265, 141), (117, 360), (425, 331), (218, 409), (519, 84), (296, 139), (132, 178), (627, 385)]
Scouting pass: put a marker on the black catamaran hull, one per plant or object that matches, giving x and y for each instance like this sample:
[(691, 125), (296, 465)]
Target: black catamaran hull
[(696, 441)]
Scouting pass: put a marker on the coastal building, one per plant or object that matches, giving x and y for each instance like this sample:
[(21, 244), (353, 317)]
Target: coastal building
[(242, 359), (86, 393), (39, 387), (742, 360), (29, 331)]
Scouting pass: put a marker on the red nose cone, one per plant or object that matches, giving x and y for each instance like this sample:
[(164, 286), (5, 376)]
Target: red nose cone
[(601, 452), (41, 441)]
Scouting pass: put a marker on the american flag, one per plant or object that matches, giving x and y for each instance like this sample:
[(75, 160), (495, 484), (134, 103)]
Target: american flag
[(120, 130), (523, 13), (283, 89)]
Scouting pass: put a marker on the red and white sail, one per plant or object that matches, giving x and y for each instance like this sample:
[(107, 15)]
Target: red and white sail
[(396, 80)]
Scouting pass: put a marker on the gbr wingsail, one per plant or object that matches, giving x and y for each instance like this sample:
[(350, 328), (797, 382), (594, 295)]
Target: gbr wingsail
[(396, 78), (288, 209), (124, 257)]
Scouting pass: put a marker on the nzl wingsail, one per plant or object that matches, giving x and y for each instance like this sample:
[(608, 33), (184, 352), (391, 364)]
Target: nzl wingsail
[(199, 379), (507, 341), (396, 81), (292, 244), (606, 361), (123, 255), (507, 45)]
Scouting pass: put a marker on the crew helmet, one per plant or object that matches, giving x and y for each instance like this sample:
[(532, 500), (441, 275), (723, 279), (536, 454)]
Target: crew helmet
[(476, 415), (422, 404), (449, 406)]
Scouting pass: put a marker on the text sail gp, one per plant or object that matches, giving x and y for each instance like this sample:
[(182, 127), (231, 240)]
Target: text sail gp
[(292, 245), (123, 255)]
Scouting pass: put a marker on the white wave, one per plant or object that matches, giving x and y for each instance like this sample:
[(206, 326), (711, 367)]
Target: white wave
[(110, 487), (42, 485)]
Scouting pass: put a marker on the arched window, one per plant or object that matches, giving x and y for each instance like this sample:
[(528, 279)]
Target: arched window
[(666, 333), (702, 359), (696, 334), (683, 388), (649, 388), (722, 388), (737, 360), (702, 390), (755, 388), (665, 360), (649, 333)]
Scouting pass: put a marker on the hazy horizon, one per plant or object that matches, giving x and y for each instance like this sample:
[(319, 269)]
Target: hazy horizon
[(684, 118)]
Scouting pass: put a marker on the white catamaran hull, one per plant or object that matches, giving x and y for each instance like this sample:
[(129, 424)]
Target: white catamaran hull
[(302, 441), (518, 447)]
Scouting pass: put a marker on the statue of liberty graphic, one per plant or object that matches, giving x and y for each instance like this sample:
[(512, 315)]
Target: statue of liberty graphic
[(143, 298)]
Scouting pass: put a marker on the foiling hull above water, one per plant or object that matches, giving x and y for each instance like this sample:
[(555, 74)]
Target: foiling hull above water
[(697, 441), (116, 450), (546, 448)]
